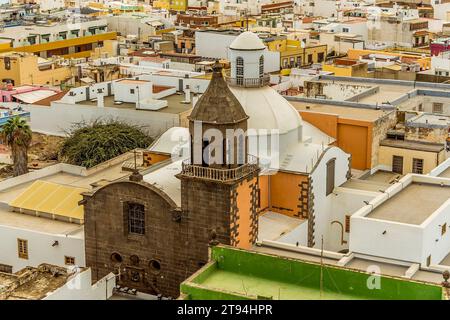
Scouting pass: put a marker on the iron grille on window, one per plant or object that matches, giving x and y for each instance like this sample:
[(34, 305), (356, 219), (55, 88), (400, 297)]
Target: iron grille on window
[(136, 218), (261, 66), (417, 166), (240, 70), (397, 164)]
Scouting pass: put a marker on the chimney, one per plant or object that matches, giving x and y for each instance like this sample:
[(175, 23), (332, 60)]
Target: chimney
[(187, 92), (100, 98)]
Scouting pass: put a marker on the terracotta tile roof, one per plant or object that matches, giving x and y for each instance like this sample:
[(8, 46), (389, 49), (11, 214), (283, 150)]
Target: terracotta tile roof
[(47, 101)]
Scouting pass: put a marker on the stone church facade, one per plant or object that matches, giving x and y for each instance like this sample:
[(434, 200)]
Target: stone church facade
[(135, 230)]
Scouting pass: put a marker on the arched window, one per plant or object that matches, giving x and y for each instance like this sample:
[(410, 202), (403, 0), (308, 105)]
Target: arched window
[(136, 218), (261, 66), (240, 70)]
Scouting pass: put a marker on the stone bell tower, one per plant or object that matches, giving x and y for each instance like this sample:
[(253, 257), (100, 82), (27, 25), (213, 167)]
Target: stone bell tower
[(219, 182)]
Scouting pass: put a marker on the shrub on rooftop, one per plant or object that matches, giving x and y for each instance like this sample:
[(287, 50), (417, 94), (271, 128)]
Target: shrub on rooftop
[(89, 144)]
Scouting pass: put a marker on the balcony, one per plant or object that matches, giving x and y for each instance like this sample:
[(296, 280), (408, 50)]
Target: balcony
[(222, 175), (248, 82)]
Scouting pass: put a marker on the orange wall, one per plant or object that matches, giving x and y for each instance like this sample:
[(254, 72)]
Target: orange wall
[(353, 139), (327, 123), (264, 193), (285, 192), (352, 136), (244, 205), (156, 157)]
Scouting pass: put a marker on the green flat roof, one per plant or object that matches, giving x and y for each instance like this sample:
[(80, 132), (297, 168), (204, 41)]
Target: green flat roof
[(241, 274)]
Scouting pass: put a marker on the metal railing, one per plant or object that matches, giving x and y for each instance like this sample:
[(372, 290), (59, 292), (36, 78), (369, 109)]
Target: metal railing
[(217, 174), (248, 82)]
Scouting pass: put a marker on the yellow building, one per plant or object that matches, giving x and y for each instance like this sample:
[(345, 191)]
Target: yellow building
[(25, 68), (404, 157), (293, 54), (424, 62), (346, 68), (242, 22), (109, 49), (80, 47), (175, 5)]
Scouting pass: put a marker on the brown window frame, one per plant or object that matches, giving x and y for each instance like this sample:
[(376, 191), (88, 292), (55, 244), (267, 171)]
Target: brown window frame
[(394, 164), (416, 168), (69, 261), (22, 248), (347, 223)]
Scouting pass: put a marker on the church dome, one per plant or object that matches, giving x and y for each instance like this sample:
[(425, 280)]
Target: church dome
[(267, 109), (247, 41)]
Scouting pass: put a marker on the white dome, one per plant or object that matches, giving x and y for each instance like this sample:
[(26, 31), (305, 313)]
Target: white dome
[(247, 41), (267, 109)]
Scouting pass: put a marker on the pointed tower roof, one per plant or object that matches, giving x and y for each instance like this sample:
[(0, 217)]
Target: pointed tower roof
[(218, 105)]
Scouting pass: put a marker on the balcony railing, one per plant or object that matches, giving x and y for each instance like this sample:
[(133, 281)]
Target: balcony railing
[(248, 82), (223, 175)]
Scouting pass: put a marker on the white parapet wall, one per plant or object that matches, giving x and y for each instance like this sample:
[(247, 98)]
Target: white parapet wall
[(398, 240), (79, 287), (440, 168)]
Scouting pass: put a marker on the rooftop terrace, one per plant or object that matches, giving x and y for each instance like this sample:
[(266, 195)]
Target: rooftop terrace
[(241, 274), (412, 205), (174, 104), (363, 114)]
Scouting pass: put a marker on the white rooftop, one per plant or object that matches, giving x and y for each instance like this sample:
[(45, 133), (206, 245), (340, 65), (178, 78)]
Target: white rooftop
[(165, 180), (267, 109), (247, 41), (274, 225), (172, 141)]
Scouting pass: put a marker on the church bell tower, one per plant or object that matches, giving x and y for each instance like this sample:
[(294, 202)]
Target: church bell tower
[(219, 182)]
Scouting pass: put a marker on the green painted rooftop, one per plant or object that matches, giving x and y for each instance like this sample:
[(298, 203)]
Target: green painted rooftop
[(242, 274)]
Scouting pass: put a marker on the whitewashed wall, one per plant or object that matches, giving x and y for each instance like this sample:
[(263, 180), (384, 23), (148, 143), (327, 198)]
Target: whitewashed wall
[(435, 244), (322, 202), (346, 202), (40, 248), (299, 234), (219, 50), (402, 241), (60, 117), (79, 288)]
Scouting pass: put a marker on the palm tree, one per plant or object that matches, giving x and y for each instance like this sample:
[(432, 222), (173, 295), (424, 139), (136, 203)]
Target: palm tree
[(17, 134)]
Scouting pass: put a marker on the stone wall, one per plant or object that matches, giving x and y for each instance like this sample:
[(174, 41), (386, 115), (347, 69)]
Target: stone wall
[(435, 135), (176, 240), (379, 132), (161, 251)]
